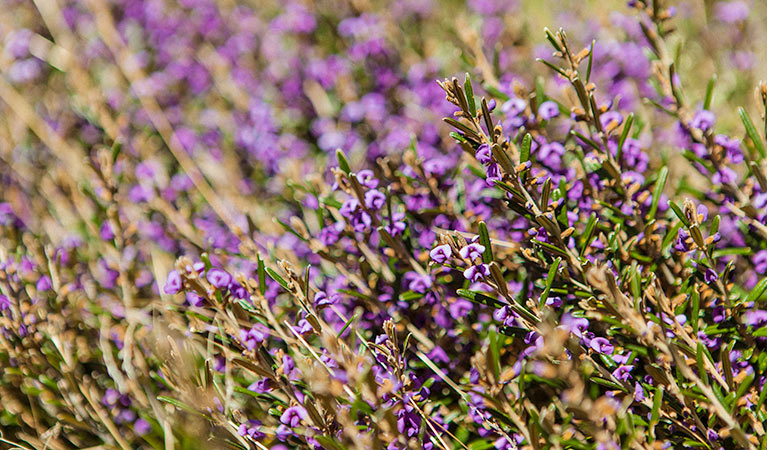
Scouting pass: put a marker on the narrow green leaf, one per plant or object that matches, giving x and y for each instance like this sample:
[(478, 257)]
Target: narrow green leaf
[(552, 39), (495, 352), (346, 325), (343, 163), (276, 277), (524, 151), (470, 95), (656, 403), (550, 281), (709, 92), (660, 183), (757, 292), (458, 137), (553, 67), (588, 234), (751, 131), (261, 275), (484, 239), (116, 150), (695, 305), (678, 211), (624, 136), (591, 59), (480, 298)]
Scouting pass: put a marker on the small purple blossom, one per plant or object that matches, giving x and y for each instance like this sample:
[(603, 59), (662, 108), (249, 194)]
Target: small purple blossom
[(441, 253), (602, 345), (218, 278), (548, 110), (173, 283), (477, 273), (293, 416)]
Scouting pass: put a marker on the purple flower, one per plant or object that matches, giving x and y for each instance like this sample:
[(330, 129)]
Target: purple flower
[(732, 12), (760, 261), (710, 276), (105, 231), (219, 278), (141, 427), (755, 317), (322, 299), (374, 199), (493, 174), (724, 175), (682, 243), (576, 325), (173, 283), (43, 283), (261, 386), (602, 345), (477, 273), (348, 208), (638, 392), (250, 428), (441, 253), (554, 302), (483, 154), (472, 251), (367, 179), (251, 338), (194, 300), (610, 117), (623, 373), (548, 110), (408, 422), (418, 283), (4, 302), (703, 120), (293, 416)]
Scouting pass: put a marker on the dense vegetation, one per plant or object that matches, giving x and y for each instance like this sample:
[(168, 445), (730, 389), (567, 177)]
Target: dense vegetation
[(268, 225)]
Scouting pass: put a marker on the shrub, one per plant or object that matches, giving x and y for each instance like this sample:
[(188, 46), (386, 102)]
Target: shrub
[(572, 259)]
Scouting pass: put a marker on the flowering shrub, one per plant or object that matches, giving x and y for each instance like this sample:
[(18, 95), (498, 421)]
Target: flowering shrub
[(267, 226)]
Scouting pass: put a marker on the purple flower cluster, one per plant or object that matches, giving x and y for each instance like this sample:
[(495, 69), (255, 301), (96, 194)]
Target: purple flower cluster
[(266, 225)]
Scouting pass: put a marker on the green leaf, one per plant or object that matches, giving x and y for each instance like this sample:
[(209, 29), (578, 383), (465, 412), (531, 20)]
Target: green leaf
[(495, 352), (751, 131), (660, 183), (757, 292), (179, 404), (678, 211), (591, 59), (553, 67), (760, 332), (480, 298), (552, 39), (701, 367), (495, 92), (484, 239), (549, 281), (261, 275), (458, 137), (328, 442), (524, 151), (276, 277), (588, 234), (624, 135), (470, 95), (343, 163), (116, 150), (695, 304), (709, 92), (656, 403)]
